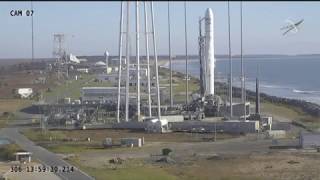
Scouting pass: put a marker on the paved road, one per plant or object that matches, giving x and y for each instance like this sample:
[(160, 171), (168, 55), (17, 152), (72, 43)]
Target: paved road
[(46, 157)]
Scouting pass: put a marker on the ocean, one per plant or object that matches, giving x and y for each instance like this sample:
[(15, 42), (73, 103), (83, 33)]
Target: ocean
[(295, 77)]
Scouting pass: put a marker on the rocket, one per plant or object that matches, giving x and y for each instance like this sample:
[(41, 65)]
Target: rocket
[(208, 64)]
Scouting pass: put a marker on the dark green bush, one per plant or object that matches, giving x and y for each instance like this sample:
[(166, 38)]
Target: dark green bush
[(166, 151)]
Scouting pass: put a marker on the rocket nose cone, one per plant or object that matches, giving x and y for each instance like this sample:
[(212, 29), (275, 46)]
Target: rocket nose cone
[(209, 13)]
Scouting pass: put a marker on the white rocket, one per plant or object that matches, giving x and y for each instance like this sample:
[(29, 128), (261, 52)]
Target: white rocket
[(208, 63)]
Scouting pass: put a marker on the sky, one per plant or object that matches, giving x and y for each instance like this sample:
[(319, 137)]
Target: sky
[(91, 28)]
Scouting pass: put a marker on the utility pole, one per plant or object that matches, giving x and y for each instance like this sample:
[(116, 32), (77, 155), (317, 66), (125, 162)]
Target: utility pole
[(120, 61), (147, 56)]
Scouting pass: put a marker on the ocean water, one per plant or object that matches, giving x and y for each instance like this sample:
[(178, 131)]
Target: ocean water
[(296, 77)]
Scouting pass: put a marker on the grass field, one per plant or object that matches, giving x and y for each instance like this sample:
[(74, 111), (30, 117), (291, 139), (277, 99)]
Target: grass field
[(7, 152), (75, 141), (253, 166), (13, 105), (9, 109), (290, 113), (72, 88), (129, 170)]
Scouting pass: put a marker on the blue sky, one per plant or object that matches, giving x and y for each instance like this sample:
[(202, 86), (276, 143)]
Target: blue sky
[(93, 27)]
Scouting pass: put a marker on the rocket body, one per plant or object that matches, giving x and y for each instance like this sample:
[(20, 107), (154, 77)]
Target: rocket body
[(209, 61)]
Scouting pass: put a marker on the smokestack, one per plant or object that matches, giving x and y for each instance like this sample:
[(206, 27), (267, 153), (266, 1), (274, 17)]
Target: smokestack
[(257, 97)]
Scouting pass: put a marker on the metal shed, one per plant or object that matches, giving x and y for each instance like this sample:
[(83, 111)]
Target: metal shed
[(309, 140)]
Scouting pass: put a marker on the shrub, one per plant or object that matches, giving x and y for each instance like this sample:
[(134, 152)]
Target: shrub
[(166, 151), (7, 152)]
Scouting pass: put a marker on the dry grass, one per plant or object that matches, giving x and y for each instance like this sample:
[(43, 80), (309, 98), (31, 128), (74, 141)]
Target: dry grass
[(100, 135), (289, 114), (282, 166), (13, 105)]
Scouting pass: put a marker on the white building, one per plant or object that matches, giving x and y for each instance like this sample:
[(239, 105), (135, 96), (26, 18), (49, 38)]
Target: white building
[(155, 125), (25, 92)]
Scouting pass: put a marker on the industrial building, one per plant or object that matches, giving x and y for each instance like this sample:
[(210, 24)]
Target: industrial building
[(99, 94), (233, 126), (25, 92), (309, 140)]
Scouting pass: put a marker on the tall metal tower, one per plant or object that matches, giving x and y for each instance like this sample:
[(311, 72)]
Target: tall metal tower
[(230, 64), (147, 56), (120, 61), (32, 34), (138, 59), (127, 60), (170, 55), (155, 55), (186, 50), (243, 83), (241, 57), (137, 38), (59, 50)]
